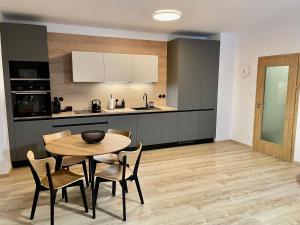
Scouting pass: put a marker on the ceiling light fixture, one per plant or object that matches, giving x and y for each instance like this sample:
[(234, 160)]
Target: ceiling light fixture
[(166, 15)]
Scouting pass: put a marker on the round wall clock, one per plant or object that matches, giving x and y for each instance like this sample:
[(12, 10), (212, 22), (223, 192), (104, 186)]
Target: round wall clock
[(245, 70)]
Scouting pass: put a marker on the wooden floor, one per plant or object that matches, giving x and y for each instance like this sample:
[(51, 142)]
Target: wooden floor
[(220, 183)]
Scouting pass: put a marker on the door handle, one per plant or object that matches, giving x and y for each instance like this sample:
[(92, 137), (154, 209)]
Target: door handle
[(258, 104)]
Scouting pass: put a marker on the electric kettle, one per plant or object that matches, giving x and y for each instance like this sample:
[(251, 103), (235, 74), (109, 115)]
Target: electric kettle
[(96, 106)]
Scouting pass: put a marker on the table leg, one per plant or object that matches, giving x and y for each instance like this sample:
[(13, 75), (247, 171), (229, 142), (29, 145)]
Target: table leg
[(58, 162), (92, 186)]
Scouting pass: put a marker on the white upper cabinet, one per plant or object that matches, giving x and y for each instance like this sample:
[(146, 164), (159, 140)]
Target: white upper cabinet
[(114, 67), (145, 68), (87, 67), (118, 67)]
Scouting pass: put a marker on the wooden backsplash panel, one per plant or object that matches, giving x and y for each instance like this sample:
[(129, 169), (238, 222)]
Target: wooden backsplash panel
[(79, 95)]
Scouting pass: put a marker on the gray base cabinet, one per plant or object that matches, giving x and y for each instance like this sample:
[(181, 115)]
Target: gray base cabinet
[(188, 126), (28, 136), (126, 122), (207, 126), (169, 127), (78, 125), (149, 129), (195, 125)]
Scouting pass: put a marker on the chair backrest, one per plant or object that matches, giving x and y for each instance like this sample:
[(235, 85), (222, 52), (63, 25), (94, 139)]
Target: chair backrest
[(50, 137), (126, 133), (132, 157), (39, 165)]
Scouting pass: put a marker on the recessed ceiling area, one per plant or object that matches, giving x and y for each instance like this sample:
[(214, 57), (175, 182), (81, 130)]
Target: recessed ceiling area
[(208, 16)]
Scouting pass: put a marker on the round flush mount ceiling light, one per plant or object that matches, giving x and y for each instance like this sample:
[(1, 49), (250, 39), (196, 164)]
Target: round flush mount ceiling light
[(166, 15)]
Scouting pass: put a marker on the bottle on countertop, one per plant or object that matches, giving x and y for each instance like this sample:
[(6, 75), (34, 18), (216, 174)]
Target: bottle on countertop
[(111, 103)]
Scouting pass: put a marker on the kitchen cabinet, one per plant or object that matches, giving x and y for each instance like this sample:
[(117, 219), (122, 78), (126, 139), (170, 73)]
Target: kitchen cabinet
[(29, 136), (118, 67), (188, 126), (145, 68), (149, 129), (169, 127), (124, 122), (87, 66), (192, 79), (26, 42), (78, 125), (207, 124)]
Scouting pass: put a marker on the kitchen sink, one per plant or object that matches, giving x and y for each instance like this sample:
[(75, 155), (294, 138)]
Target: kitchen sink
[(146, 108)]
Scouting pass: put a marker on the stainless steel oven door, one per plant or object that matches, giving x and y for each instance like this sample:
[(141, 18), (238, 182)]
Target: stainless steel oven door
[(31, 104)]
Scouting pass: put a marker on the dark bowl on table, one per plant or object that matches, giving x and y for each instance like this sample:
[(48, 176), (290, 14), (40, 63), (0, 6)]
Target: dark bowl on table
[(93, 136)]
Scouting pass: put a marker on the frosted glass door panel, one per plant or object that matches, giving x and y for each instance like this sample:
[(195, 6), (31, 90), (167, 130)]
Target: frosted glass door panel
[(276, 84)]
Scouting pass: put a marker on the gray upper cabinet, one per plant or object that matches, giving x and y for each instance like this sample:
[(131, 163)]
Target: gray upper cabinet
[(169, 127), (124, 122), (149, 129), (26, 42), (188, 126), (29, 136), (192, 81)]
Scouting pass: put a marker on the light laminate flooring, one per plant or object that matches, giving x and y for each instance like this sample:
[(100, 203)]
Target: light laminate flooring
[(218, 183)]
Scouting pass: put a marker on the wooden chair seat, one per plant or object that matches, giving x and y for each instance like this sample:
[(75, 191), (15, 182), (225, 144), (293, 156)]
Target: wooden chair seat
[(106, 158), (113, 172), (71, 160), (61, 178)]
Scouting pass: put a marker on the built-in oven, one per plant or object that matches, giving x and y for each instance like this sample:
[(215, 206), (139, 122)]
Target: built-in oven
[(31, 99), (24, 70)]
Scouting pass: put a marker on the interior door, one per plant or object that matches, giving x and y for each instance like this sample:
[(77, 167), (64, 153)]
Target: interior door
[(275, 114)]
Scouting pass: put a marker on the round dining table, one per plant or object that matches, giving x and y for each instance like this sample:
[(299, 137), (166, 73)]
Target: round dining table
[(74, 146)]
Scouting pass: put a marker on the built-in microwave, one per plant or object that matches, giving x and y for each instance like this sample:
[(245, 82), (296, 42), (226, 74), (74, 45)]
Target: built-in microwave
[(25, 70), (31, 99)]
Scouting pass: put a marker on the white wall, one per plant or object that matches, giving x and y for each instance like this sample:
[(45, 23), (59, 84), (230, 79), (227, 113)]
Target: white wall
[(225, 85), (250, 46), (5, 162)]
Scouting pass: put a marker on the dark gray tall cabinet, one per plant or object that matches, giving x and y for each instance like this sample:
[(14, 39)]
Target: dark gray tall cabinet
[(192, 86), (21, 42)]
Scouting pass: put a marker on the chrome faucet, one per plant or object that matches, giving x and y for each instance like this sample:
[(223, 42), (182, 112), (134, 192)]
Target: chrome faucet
[(146, 103)]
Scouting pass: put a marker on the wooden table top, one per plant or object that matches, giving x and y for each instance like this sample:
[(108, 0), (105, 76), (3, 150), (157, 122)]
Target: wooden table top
[(74, 145)]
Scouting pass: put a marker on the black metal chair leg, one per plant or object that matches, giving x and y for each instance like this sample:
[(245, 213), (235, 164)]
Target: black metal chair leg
[(124, 184), (114, 188), (96, 190), (92, 186), (94, 167), (124, 203), (65, 194), (83, 196), (139, 189), (52, 201), (34, 203), (85, 173)]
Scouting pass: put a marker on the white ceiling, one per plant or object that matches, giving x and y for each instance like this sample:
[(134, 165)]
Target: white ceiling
[(198, 16)]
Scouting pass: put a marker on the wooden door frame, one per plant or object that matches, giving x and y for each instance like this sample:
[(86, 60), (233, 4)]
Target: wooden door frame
[(257, 113)]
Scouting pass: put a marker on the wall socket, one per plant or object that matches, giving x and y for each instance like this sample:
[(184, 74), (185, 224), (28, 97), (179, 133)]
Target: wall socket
[(162, 96)]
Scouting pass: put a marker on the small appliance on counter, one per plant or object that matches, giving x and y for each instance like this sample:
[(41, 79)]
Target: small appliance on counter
[(111, 103), (57, 105), (121, 105), (96, 106)]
